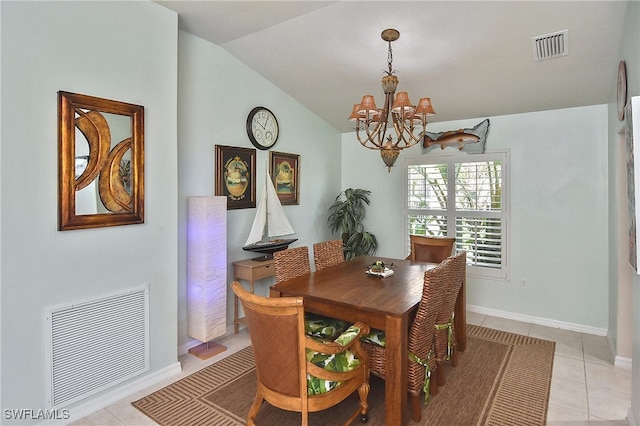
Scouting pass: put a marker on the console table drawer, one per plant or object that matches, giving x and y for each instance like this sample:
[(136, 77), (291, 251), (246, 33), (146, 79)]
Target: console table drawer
[(251, 271)]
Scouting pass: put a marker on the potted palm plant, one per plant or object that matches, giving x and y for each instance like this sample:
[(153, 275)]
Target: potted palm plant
[(346, 215)]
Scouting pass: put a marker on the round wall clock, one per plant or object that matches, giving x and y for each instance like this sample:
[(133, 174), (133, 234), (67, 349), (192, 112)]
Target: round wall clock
[(262, 128), (622, 89)]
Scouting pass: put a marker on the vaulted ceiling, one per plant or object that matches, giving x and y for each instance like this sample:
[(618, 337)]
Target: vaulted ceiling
[(473, 59)]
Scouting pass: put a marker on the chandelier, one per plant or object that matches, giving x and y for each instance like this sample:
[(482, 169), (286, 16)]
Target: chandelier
[(408, 121)]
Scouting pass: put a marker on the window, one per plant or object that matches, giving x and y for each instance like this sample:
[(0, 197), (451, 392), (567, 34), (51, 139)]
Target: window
[(462, 196)]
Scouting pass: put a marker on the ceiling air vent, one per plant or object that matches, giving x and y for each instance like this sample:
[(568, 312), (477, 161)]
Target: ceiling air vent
[(550, 46)]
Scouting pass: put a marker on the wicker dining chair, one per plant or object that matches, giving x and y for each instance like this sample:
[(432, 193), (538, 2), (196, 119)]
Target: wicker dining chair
[(430, 249), (292, 263), (327, 253), (422, 363), (445, 339), (296, 372)]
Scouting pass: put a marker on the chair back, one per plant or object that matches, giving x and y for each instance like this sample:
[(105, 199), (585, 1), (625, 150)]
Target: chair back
[(422, 330), (274, 325), (431, 249), (327, 253), (453, 285), (291, 263), (445, 315)]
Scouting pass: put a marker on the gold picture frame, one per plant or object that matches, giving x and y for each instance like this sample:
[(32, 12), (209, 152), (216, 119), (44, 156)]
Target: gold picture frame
[(235, 176), (100, 162), (285, 175)]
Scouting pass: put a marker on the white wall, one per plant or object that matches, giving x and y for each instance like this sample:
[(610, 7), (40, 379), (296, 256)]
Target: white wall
[(216, 93), (125, 51), (621, 274), (624, 296), (558, 212)]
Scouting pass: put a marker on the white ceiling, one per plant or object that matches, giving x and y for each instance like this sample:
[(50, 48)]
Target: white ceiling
[(474, 59)]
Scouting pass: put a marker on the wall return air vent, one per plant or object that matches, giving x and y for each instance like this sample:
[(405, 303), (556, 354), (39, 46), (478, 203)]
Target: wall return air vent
[(549, 46)]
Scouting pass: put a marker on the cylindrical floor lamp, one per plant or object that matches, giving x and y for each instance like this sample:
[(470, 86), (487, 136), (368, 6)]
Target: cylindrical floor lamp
[(206, 273)]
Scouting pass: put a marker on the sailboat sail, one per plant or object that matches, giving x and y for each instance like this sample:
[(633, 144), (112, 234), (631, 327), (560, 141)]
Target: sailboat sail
[(271, 220)]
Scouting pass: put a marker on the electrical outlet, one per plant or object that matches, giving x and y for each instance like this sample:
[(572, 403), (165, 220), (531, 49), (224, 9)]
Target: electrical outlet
[(523, 283)]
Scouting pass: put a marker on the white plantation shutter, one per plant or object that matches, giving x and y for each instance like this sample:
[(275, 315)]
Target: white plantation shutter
[(462, 197), (481, 238)]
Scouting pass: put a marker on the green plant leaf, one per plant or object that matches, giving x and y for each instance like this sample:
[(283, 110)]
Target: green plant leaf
[(346, 215)]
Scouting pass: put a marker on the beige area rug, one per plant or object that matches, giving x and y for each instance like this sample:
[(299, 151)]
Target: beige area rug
[(501, 379)]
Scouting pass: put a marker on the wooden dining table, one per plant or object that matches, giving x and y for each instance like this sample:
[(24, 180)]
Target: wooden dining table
[(347, 292)]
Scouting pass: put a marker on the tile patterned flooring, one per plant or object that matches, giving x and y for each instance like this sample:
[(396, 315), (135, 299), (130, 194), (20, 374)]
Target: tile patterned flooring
[(586, 388)]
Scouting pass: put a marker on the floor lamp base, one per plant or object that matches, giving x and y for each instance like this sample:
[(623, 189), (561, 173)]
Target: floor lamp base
[(207, 350)]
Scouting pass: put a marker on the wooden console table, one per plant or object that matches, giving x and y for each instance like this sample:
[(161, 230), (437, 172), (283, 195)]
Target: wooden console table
[(249, 270)]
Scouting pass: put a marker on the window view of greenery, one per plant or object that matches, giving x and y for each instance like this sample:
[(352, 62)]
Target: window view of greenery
[(462, 200)]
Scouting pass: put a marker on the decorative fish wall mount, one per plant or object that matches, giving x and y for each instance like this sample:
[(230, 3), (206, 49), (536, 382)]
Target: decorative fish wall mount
[(471, 141)]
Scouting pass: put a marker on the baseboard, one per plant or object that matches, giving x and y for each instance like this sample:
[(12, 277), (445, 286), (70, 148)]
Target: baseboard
[(184, 349), (537, 320), (112, 396), (623, 362)]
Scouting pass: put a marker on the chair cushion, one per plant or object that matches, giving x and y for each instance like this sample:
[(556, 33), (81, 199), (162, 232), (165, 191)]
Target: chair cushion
[(376, 337), (340, 362), (325, 328)]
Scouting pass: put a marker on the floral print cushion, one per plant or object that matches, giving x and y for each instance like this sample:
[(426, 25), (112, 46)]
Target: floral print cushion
[(340, 362), (376, 337), (325, 328)]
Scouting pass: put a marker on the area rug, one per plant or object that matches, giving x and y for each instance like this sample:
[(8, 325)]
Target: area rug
[(501, 379)]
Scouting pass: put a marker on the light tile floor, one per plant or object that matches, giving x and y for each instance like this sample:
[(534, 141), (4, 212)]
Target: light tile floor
[(586, 388)]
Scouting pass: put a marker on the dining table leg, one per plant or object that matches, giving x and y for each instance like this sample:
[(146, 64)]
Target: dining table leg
[(395, 390)]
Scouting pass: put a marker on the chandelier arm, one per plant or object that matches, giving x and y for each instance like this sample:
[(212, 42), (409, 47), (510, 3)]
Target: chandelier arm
[(405, 131), (376, 135), (384, 119), (369, 139), (413, 140), (412, 137), (373, 148), (423, 128), (381, 129), (398, 126), (410, 131)]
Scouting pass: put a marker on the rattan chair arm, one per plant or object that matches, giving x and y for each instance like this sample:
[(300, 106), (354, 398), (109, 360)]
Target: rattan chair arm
[(334, 376), (334, 347), (364, 329)]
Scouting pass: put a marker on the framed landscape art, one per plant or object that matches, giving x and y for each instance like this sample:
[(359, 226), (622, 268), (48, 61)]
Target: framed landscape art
[(235, 176), (285, 174)]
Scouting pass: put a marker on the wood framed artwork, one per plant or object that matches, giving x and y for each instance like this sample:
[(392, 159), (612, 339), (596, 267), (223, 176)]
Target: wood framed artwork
[(632, 130), (100, 162), (622, 89), (285, 174), (235, 176)]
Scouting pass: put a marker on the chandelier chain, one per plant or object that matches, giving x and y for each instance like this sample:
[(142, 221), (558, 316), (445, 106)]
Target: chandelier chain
[(390, 59)]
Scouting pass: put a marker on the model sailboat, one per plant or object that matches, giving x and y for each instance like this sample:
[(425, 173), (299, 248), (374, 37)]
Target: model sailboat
[(269, 225)]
